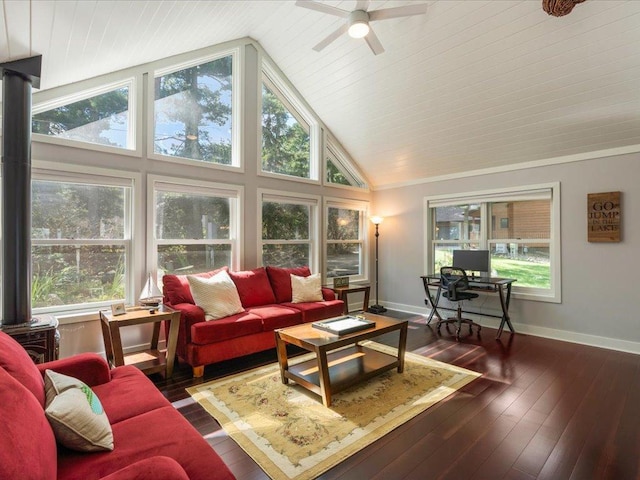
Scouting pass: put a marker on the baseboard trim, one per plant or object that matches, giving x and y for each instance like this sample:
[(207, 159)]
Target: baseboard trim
[(544, 332)]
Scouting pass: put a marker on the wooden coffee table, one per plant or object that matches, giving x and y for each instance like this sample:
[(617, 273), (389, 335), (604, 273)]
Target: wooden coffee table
[(335, 368)]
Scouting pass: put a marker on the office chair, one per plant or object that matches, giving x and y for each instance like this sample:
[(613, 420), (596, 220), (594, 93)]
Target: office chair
[(455, 285)]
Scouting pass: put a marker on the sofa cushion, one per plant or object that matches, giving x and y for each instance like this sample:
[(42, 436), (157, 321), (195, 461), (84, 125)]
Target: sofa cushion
[(27, 445), (163, 432), (314, 311), (217, 295), (253, 287), (277, 316), (280, 279), (306, 289), (129, 393), (226, 328), (152, 468), (175, 288), (17, 362), (76, 414)]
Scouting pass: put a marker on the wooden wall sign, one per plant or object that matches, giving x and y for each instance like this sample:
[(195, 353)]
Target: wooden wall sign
[(604, 217)]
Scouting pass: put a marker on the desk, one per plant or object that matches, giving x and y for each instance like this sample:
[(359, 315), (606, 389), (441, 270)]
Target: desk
[(342, 293), (149, 361), (501, 286)]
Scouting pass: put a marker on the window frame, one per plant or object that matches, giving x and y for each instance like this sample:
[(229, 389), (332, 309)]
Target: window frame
[(48, 171), (303, 114), (313, 201), (554, 293), (235, 193), (363, 208), (237, 102), (45, 101), (344, 163)]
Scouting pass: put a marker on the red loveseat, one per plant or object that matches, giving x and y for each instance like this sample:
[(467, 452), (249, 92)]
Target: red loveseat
[(266, 297), (151, 439)]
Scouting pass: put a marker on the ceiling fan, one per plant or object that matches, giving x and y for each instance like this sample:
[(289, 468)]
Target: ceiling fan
[(357, 23)]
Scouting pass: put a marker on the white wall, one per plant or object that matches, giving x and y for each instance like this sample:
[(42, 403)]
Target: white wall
[(600, 295)]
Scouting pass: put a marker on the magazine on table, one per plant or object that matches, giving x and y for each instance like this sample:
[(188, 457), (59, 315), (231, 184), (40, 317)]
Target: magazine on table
[(344, 325)]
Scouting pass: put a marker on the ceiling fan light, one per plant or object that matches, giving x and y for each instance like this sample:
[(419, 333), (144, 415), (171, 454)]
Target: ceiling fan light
[(358, 30), (358, 24)]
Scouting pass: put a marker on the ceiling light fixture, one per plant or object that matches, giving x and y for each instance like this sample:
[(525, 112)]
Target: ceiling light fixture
[(357, 21), (358, 24)]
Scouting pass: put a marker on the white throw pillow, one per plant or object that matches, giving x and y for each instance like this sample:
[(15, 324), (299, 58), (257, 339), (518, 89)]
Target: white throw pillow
[(76, 415), (217, 296), (306, 289)]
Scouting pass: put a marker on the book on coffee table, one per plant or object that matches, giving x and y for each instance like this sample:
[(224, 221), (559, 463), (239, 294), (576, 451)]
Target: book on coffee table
[(343, 325)]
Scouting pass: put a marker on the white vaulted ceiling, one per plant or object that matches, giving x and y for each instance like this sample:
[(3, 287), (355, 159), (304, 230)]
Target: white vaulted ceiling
[(471, 85)]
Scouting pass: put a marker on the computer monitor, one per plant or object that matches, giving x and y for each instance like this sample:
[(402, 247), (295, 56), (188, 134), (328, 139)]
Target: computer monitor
[(472, 261)]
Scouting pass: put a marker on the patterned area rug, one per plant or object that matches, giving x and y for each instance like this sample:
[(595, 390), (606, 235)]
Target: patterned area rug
[(291, 435)]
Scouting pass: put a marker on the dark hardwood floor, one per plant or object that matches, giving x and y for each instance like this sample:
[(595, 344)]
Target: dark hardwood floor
[(543, 409)]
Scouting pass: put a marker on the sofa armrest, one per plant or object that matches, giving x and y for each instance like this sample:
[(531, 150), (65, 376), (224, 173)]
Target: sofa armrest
[(151, 468), (89, 368), (328, 294), (189, 314)]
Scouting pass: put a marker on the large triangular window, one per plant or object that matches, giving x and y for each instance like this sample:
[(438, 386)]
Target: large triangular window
[(102, 119), (289, 131)]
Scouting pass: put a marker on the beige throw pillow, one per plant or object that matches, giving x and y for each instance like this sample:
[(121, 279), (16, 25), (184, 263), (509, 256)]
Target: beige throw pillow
[(76, 415), (306, 289), (217, 296)]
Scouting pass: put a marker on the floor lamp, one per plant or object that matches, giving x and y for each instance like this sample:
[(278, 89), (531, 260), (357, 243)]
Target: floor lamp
[(377, 308)]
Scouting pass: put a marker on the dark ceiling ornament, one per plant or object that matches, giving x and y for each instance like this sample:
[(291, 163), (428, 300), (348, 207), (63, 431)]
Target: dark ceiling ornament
[(559, 8)]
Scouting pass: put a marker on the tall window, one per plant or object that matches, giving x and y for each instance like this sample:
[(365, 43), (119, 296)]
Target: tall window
[(290, 132), (196, 226), (286, 146), (345, 244), (81, 243), (102, 119), (289, 230), (520, 228), (193, 112)]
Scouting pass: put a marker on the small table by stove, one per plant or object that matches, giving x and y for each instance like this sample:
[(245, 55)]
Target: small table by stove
[(343, 292), (335, 369), (149, 361)]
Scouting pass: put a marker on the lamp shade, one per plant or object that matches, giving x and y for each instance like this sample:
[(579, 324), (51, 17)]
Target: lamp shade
[(377, 220)]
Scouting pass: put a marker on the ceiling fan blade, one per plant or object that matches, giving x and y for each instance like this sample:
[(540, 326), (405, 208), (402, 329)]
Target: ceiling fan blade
[(398, 12), (321, 7), (374, 43), (362, 5), (331, 37)]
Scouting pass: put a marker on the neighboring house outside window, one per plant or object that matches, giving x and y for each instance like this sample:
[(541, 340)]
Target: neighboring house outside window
[(520, 228)]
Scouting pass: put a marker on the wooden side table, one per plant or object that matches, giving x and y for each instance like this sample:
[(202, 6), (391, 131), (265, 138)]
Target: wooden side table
[(149, 361), (343, 292)]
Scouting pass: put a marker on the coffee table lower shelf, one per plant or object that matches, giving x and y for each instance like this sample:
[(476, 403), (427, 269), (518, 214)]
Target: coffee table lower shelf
[(346, 368)]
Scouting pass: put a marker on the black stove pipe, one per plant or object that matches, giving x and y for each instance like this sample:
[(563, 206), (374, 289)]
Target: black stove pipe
[(17, 79)]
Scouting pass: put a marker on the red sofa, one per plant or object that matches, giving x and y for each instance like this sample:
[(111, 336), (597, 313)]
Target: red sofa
[(266, 296), (152, 440)]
